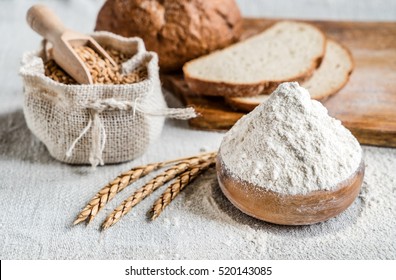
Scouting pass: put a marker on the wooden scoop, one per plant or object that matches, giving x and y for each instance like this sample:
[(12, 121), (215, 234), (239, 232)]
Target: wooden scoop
[(42, 20), (283, 209)]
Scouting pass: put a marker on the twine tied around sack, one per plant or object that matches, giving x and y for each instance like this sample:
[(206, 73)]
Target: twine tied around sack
[(98, 132)]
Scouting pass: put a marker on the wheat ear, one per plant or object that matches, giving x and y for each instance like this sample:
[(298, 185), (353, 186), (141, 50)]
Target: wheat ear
[(179, 184), (151, 186), (126, 178)]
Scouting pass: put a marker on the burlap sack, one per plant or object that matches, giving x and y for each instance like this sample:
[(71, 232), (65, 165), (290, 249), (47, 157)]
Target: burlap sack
[(97, 124)]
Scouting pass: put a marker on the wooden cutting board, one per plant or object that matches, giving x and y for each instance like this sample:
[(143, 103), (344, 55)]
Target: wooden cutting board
[(366, 105)]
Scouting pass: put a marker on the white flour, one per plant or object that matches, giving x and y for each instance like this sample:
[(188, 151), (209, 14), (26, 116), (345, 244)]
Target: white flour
[(40, 196), (291, 145)]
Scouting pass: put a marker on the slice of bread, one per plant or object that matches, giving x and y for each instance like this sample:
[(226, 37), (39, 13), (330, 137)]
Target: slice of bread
[(328, 79), (287, 51)]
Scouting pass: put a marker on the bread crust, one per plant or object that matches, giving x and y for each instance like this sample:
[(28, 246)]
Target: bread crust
[(239, 103), (328, 94), (177, 30), (213, 88)]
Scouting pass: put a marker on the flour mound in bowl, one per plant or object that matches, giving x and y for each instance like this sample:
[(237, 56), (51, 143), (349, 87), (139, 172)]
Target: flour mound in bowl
[(290, 145)]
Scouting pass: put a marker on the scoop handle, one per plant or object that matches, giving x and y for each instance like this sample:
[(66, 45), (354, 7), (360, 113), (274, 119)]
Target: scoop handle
[(45, 22)]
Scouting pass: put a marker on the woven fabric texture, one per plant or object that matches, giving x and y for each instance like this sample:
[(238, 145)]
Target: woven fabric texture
[(110, 130), (40, 197)]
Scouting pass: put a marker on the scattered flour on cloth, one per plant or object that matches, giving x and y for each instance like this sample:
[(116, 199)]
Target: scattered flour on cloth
[(41, 196), (291, 145)]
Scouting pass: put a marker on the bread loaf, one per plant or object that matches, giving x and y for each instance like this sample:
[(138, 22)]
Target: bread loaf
[(328, 79), (286, 51), (177, 30)]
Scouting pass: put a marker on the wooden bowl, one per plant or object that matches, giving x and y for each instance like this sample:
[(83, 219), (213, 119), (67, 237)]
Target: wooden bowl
[(273, 207)]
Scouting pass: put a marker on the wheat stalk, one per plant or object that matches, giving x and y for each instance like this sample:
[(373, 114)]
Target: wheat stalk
[(111, 189), (108, 192), (151, 186), (179, 184)]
